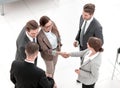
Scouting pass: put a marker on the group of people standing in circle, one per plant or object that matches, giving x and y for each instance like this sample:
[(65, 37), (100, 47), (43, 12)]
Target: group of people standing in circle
[(45, 38)]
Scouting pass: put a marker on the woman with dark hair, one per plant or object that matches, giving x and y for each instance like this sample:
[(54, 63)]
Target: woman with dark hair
[(50, 43), (90, 62)]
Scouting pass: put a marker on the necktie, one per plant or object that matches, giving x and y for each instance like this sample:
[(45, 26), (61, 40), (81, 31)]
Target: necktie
[(34, 40), (82, 33)]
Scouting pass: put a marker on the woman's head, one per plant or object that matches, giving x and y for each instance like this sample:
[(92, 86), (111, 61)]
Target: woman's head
[(46, 23), (95, 43)]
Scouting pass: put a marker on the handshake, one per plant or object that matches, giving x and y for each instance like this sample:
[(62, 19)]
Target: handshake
[(64, 54)]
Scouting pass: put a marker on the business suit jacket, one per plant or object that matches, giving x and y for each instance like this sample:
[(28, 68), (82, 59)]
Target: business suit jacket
[(45, 46), (94, 30), (21, 41), (27, 75), (89, 71)]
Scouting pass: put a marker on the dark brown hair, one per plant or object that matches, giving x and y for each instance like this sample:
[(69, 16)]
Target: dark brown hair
[(31, 25), (43, 20), (89, 8), (95, 43), (31, 48)]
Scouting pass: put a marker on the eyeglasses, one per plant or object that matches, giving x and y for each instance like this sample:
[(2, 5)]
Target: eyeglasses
[(50, 25)]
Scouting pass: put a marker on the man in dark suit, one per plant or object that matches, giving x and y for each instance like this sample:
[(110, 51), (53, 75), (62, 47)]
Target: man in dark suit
[(28, 33), (92, 29), (88, 27), (25, 74)]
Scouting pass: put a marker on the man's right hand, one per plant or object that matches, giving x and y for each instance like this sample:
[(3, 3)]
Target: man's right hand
[(75, 44)]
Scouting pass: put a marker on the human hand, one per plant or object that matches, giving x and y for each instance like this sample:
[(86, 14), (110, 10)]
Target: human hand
[(77, 71), (65, 55), (75, 44)]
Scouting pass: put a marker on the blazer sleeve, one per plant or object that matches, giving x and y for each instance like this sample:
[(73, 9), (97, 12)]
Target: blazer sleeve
[(12, 77), (98, 30), (99, 33), (80, 24), (46, 82), (78, 54)]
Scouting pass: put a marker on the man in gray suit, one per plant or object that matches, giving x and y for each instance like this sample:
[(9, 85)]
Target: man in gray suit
[(92, 28), (28, 34)]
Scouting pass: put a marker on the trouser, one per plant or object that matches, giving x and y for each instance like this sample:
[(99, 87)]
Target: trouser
[(50, 65), (88, 86)]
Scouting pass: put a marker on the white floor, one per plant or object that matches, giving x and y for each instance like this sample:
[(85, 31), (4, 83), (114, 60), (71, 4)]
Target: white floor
[(65, 13)]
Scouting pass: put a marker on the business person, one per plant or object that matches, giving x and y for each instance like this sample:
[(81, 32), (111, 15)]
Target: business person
[(25, 74), (28, 34), (50, 42), (89, 70), (88, 27)]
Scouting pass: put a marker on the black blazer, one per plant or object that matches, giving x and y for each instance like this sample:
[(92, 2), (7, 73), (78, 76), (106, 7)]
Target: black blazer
[(21, 41), (27, 75), (94, 30)]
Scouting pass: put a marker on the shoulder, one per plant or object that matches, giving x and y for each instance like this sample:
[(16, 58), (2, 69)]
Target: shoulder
[(16, 63), (41, 34), (40, 71), (96, 22)]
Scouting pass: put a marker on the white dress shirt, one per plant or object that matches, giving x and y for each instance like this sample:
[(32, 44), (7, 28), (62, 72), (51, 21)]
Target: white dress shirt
[(52, 39), (30, 38), (87, 57), (87, 24)]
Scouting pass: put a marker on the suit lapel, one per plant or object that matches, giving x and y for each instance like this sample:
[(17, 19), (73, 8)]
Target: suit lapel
[(85, 63), (45, 39), (90, 26)]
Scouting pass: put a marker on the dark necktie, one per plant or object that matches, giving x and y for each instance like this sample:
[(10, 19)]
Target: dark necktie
[(82, 33), (34, 40)]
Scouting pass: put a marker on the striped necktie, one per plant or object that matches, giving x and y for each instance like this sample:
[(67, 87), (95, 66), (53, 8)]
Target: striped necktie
[(82, 33)]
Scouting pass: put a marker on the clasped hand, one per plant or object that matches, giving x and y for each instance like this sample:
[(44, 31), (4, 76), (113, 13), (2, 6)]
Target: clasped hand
[(64, 54)]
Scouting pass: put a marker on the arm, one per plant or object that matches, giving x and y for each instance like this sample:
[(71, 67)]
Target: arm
[(78, 54), (98, 30), (99, 34), (12, 78), (93, 73), (46, 82)]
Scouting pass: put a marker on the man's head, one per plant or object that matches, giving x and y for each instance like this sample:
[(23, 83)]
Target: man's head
[(31, 50), (32, 28), (88, 11)]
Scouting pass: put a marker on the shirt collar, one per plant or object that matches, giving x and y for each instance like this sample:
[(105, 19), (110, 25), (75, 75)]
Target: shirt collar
[(29, 61), (89, 21), (93, 56), (47, 32), (31, 39)]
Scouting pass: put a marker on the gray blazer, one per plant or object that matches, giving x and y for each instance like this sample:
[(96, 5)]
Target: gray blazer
[(89, 70), (94, 30)]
